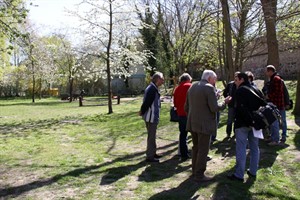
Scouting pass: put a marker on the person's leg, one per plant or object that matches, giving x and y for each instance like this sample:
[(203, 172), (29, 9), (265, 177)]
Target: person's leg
[(194, 151), (203, 148), (284, 125), (151, 140), (274, 130), (183, 137), (241, 135), (230, 118), (254, 153)]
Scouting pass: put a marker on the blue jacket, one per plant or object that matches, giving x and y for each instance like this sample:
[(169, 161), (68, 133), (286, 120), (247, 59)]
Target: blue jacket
[(151, 104)]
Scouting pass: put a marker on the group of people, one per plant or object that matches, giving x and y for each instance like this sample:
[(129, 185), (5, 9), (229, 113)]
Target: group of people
[(198, 106)]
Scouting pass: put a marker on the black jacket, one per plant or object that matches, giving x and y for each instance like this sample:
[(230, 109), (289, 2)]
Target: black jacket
[(230, 91), (246, 102)]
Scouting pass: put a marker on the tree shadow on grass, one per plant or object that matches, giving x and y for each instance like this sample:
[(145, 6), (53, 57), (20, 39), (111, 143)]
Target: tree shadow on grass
[(16, 191), (18, 129), (226, 147), (160, 170)]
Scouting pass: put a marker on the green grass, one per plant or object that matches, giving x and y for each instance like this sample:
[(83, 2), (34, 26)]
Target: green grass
[(58, 150)]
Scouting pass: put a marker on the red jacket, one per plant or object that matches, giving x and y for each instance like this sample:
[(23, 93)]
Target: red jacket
[(180, 97), (275, 91)]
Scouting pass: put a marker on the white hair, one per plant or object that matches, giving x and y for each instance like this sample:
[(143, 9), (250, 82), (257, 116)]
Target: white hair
[(208, 73), (156, 76), (185, 77)]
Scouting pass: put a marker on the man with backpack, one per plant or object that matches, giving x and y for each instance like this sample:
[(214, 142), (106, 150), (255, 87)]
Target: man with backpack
[(276, 95)]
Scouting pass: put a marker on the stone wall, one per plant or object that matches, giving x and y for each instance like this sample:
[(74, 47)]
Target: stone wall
[(288, 69)]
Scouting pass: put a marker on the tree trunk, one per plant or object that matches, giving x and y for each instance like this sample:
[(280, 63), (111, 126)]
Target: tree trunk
[(270, 8), (240, 40), (33, 87), (71, 88), (296, 110), (229, 70), (110, 110)]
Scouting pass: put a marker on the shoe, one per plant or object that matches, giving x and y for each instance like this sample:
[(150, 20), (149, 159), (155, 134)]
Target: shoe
[(204, 179), (273, 143), (268, 140), (184, 158), (154, 160), (282, 141), (234, 178), (157, 156), (208, 158), (250, 175)]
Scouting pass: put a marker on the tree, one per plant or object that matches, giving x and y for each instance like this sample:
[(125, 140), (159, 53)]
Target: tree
[(112, 26), (270, 15), (12, 14), (289, 34), (228, 40)]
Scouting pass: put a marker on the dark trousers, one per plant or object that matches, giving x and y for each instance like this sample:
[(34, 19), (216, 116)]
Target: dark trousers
[(183, 136), (201, 143), (230, 120), (151, 140)]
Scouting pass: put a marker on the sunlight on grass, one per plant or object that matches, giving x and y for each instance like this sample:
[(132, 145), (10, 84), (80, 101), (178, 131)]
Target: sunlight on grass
[(56, 150)]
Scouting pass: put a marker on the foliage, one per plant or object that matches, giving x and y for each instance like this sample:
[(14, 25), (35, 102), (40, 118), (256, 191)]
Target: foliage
[(12, 14)]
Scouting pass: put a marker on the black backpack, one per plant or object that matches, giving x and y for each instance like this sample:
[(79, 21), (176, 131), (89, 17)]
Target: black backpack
[(265, 115)]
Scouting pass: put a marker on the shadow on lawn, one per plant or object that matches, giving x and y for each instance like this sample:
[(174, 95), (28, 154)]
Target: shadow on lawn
[(153, 172), (18, 129), (121, 172)]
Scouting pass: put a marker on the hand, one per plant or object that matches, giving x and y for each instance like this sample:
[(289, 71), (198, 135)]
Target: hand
[(228, 99)]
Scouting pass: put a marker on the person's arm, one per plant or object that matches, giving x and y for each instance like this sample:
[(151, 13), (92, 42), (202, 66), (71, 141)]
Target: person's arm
[(149, 98), (226, 90)]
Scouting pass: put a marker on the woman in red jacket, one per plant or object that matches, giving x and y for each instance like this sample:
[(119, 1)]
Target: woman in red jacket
[(179, 100)]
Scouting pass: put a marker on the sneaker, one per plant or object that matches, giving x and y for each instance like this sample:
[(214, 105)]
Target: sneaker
[(282, 141), (273, 143), (157, 156), (184, 158), (154, 160), (204, 179), (268, 140), (250, 175), (234, 178)]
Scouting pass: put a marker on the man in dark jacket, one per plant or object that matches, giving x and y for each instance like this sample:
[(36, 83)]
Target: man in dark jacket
[(246, 102), (230, 91), (150, 112)]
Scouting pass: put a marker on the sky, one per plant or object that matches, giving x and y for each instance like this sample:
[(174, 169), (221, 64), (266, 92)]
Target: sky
[(50, 14)]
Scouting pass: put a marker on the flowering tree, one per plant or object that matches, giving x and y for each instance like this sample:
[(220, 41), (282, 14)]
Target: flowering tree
[(111, 28)]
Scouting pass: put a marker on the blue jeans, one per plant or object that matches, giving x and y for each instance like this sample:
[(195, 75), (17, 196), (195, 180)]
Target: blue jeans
[(183, 136), (284, 126), (230, 119), (244, 136), (274, 131)]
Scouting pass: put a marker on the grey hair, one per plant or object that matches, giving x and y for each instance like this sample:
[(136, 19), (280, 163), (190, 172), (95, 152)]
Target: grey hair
[(185, 77), (156, 76), (208, 73)]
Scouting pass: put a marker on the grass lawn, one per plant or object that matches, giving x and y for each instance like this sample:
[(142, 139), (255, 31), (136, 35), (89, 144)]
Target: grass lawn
[(58, 150)]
